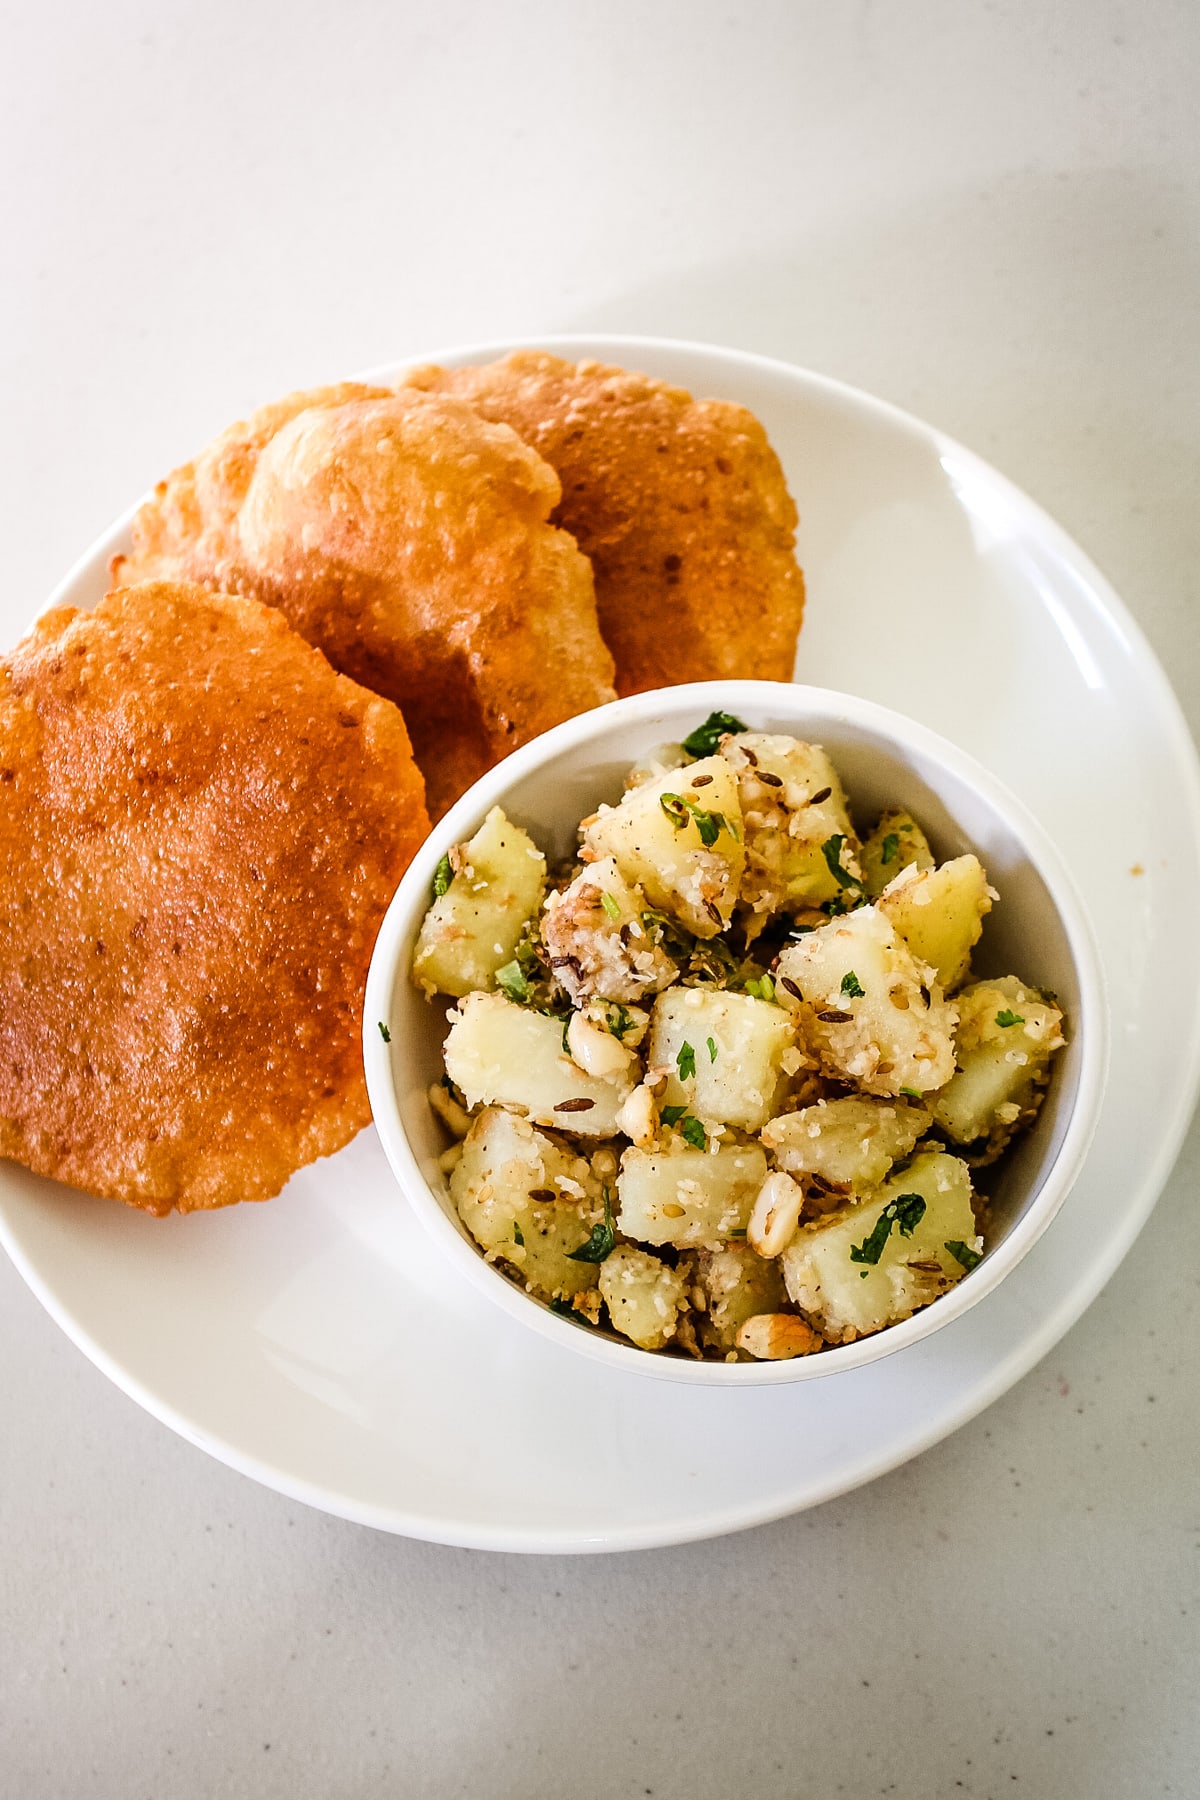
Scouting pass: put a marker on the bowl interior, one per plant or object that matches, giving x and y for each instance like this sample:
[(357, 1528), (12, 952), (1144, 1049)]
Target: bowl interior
[(550, 785)]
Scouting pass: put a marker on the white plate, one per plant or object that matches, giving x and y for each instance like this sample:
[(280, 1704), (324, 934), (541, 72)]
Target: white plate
[(320, 1343)]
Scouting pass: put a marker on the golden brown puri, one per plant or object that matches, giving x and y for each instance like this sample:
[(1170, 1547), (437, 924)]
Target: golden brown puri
[(201, 825), (409, 539), (680, 503)]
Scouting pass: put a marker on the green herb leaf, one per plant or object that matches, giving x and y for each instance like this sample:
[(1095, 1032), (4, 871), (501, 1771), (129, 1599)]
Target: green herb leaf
[(384, 1033), (679, 809), (518, 1235), (963, 1253), (889, 849), (565, 1310), (913, 1093), (695, 1133), (611, 905), (443, 875), (831, 850), (601, 1242), (671, 1115), (906, 1211), (852, 987), (739, 1231), (712, 1050), (511, 981), (1005, 1017), (705, 739), (618, 1018), (686, 1061), (565, 1040)]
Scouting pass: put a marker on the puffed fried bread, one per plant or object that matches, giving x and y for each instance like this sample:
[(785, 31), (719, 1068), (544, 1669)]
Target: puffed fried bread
[(201, 825), (681, 505)]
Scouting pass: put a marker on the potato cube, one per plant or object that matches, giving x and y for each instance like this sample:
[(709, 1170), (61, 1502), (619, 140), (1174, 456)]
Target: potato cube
[(472, 929), (793, 805), (504, 1164), (642, 1294), (939, 914), (866, 1008), (874, 1263), (896, 843), (1007, 1036), (679, 838), (502, 1054), (598, 946), (723, 1051), (735, 1284), (846, 1143), (687, 1196)]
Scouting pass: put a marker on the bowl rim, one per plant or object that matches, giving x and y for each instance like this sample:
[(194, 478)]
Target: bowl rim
[(408, 906)]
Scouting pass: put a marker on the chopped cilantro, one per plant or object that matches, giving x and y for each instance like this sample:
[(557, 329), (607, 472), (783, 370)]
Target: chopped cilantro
[(601, 1242), (906, 1211), (695, 1133), (618, 1018), (831, 850), (443, 875), (1004, 1017), (852, 987), (712, 1050), (704, 740), (963, 1253), (611, 905), (686, 1061), (738, 1231), (511, 981), (679, 809), (565, 1310), (913, 1093), (889, 849), (518, 1234), (384, 1033), (565, 1041), (671, 1115)]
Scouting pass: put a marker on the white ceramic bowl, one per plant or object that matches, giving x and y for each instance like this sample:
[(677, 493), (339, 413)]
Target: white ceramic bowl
[(1039, 930)]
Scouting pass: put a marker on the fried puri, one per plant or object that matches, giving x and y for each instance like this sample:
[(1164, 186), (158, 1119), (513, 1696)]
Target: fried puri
[(409, 539), (681, 505), (201, 825)]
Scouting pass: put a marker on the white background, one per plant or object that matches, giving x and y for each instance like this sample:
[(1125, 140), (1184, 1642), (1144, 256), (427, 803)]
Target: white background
[(987, 213)]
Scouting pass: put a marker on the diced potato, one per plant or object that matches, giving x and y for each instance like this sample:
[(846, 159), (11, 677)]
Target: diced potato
[(792, 803), (653, 763), (939, 914), (896, 843), (502, 1054), (642, 1294), (598, 946), (1007, 1035), (686, 1196), (679, 838), (848, 1285), (866, 1008), (735, 1284), (473, 929), (847, 1143), (504, 1163), (731, 1042)]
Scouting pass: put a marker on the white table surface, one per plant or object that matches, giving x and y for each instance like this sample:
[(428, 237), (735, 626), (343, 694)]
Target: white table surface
[(987, 213)]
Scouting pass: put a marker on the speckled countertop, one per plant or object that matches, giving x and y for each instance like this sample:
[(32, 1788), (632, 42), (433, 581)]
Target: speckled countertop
[(987, 213)]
